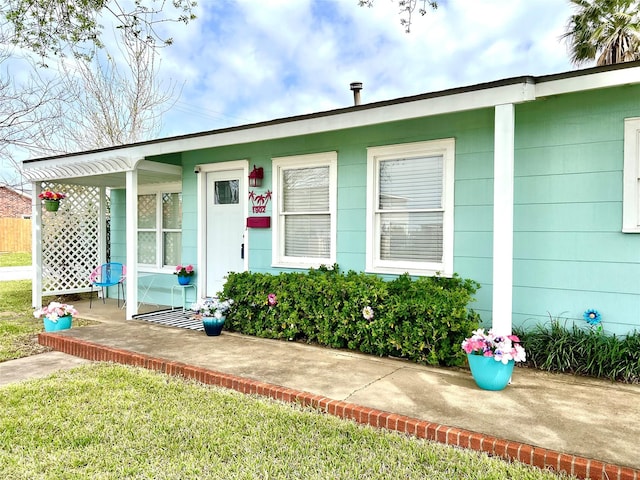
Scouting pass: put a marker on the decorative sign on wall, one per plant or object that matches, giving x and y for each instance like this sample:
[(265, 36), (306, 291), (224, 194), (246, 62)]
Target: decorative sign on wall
[(259, 201), (259, 205)]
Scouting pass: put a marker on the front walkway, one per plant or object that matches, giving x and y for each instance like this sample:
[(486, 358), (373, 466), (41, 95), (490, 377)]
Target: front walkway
[(584, 426)]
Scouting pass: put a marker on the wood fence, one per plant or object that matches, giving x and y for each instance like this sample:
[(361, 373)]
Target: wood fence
[(15, 235)]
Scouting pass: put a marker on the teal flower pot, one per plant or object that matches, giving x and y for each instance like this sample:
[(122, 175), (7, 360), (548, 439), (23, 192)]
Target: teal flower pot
[(63, 323), (184, 279), (212, 325), (489, 374)]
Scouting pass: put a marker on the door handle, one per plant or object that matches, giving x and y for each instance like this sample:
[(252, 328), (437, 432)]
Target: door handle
[(242, 251)]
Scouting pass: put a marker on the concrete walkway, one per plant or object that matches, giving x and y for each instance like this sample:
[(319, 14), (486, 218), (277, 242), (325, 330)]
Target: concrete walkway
[(588, 427)]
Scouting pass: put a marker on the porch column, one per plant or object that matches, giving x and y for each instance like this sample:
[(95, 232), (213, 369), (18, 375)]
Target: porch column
[(503, 163), (132, 243), (102, 227), (36, 245)]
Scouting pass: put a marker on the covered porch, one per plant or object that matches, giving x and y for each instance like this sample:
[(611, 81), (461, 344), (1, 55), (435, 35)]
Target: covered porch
[(68, 244)]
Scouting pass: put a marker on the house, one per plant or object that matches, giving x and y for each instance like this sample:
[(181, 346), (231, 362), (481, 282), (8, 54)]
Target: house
[(14, 204), (528, 185)]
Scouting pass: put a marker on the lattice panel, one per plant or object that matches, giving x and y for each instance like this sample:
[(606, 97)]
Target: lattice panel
[(70, 239)]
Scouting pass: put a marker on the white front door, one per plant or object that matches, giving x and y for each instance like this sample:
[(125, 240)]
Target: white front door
[(225, 227)]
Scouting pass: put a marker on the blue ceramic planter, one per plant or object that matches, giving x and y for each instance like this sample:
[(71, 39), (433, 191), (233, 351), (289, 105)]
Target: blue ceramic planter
[(489, 374), (63, 323), (212, 325), (184, 279)]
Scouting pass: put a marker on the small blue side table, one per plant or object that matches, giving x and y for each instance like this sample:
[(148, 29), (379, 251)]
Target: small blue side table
[(184, 289)]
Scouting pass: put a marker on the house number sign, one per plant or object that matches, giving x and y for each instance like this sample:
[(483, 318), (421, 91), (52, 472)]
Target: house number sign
[(259, 202)]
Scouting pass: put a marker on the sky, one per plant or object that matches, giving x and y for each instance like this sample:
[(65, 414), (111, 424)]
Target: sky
[(243, 61)]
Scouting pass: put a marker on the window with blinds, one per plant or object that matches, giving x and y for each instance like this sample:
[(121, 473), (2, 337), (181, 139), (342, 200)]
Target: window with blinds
[(306, 216), (410, 208), (304, 227)]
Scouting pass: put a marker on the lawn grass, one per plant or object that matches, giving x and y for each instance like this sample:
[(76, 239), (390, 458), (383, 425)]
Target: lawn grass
[(18, 326), (15, 259), (112, 422)]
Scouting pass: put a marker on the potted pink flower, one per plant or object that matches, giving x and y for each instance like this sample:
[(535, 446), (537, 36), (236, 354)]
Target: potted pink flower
[(184, 274), (57, 316), (492, 357), (51, 200)]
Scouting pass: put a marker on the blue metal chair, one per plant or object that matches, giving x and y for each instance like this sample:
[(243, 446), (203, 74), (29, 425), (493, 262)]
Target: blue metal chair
[(108, 275)]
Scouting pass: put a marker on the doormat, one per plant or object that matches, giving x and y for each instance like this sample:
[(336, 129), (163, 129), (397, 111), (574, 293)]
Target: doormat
[(172, 318)]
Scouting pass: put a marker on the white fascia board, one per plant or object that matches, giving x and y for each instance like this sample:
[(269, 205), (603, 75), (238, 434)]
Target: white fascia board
[(516, 92), (592, 81), (472, 100)]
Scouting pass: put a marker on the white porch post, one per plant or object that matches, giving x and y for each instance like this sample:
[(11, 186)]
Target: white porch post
[(503, 166), (102, 227), (36, 245), (132, 243)]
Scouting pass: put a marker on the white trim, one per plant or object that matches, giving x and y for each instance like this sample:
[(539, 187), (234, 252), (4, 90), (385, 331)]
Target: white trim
[(580, 83), (169, 187), (36, 246), (279, 164), (503, 168), (509, 91), (631, 176), (444, 147), (131, 262)]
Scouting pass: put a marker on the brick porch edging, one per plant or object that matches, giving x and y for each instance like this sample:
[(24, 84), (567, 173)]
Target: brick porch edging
[(512, 451)]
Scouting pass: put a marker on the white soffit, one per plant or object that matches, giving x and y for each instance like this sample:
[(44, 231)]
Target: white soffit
[(95, 165), (60, 168)]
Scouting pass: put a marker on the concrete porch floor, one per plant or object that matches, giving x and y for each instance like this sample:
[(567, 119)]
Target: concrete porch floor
[(109, 312)]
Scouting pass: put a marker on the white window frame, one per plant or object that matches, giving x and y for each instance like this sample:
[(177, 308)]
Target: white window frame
[(280, 164), (631, 176), (374, 264), (158, 190)]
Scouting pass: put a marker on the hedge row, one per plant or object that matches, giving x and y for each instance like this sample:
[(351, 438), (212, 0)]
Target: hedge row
[(424, 320)]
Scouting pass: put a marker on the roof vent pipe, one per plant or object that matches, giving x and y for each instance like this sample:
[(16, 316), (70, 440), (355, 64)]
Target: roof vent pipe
[(356, 87)]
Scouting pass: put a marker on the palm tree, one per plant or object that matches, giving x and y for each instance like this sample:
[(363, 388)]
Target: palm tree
[(608, 29)]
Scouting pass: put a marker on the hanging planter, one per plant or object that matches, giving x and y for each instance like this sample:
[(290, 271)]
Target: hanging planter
[(51, 205), (51, 200)]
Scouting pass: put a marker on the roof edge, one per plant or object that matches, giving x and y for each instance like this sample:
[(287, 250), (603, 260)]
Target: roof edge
[(524, 79)]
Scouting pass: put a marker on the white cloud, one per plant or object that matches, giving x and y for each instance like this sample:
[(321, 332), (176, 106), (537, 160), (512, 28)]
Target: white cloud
[(243, 62)]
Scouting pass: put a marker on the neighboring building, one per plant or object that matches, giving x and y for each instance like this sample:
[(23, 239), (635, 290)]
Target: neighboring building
[(528, 185), (14, 204)]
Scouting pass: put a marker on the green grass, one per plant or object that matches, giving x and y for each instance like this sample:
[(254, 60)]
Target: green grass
[(17, 259), (114, 422), (18, 326)]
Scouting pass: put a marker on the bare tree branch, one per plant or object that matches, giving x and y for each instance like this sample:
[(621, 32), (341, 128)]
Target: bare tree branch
[(407, 9)]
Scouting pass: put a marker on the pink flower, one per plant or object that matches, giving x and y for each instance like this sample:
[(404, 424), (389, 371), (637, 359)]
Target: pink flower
[(271, 299)]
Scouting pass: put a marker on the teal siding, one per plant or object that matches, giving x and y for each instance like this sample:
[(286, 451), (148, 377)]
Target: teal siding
[(570, 254)]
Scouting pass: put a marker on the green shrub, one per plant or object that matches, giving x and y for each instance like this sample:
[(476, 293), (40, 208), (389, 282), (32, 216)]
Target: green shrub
[(583, 351), (424, 320)]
